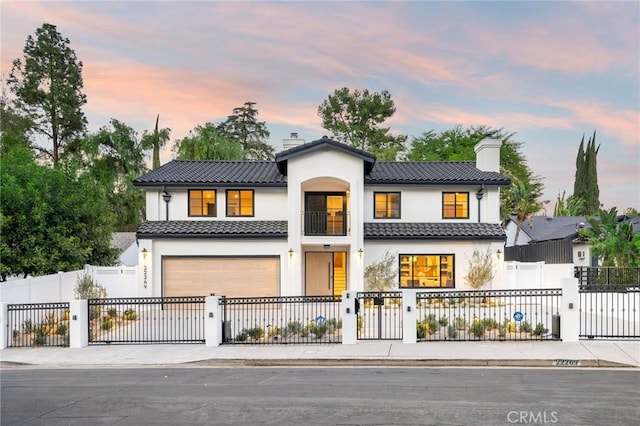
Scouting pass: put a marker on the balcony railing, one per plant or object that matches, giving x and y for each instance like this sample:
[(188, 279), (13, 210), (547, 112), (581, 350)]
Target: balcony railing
[(323, 223)]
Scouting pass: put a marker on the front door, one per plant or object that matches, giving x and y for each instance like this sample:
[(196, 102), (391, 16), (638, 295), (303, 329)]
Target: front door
[(325, 273)]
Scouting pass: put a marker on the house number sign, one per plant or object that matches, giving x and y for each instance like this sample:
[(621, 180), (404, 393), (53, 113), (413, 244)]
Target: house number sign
[(144, 276)]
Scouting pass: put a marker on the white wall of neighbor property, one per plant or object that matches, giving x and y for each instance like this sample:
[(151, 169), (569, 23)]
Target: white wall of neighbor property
[(535, 275), (462, 251), (119, 281)]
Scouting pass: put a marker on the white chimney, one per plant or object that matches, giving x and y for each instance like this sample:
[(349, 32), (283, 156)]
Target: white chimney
[(488, 155), (292, 142)]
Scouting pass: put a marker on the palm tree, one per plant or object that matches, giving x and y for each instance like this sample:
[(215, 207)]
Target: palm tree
[(525, 204)]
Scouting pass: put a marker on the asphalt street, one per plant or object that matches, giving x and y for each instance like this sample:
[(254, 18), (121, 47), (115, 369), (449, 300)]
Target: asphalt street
[(320, 396)]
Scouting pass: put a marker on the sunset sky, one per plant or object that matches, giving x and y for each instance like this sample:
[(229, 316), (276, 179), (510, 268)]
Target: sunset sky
[(547, 71)]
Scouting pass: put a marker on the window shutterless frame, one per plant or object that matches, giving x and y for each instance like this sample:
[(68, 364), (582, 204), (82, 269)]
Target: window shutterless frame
[(455, 205), (240, 203), (426, 270), (202, 202), (386, 205)]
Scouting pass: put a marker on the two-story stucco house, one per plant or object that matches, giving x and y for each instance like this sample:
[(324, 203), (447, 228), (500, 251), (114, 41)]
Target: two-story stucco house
[(309, 222)]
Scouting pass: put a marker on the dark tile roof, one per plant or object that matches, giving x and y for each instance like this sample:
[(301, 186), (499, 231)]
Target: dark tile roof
[(213, 229), (546, 228), (220, 173), (320, 144), (433, 231), (432, 172)]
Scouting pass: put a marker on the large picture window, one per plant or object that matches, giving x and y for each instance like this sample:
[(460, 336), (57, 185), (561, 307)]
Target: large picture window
[(240, 202), (202, 202), (426, 270), (386, 205), (455, 205)]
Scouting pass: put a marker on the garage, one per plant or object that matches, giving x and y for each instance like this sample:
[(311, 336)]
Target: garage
[(225, 276)]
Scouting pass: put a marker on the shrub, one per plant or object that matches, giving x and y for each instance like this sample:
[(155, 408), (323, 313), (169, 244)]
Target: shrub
[(525, 327), (539, 330), (294, 327), (422, 329), (477, 328), (460, 323), (489, 323), (443, 321), (130, 315), (481, 269), (87, 288), (255, 332), (381, 274), (62, 330), (510, 325), (107, 323), (40, 337), (112, 313), (242, 336), (452, 331), (319, 330)]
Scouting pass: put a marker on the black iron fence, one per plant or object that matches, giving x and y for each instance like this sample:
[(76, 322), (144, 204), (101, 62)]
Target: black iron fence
[(281, 320), (146, 320), (598, 278), (489, 315), (38, 324), (609, 310), (379, 315), (325, 223)]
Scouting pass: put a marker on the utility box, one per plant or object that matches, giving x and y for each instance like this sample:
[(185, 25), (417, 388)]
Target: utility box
[(555, 327)]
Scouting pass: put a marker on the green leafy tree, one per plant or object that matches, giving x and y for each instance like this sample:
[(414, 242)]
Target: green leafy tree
[(114, 156), (47, 85), (51, 219), (381, 274), (612, 239), (242, 126), (585, 186), (156, 141), (208, 143), (457, 144), (15, 128), (570, 206), (356, 118), (524, 204)]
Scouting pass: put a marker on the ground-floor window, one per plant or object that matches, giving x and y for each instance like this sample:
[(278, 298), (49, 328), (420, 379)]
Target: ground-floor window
[(426, 270)]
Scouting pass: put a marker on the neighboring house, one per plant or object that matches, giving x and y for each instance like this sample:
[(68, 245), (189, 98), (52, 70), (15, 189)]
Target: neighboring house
[(309, 222), (127, 246), (546, 228)]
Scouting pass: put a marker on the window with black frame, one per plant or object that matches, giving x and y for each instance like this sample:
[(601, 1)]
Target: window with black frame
[(386, 205), (202, 202), (426, 270)]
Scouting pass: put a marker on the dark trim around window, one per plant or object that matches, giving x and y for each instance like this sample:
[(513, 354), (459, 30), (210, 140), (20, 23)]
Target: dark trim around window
[(206, 204), (455, 206), (388, 212), (243, 200)]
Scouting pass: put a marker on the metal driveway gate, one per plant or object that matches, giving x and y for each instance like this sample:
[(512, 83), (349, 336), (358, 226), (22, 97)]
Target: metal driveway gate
[(146, 320), (609, 311), (379, 315)]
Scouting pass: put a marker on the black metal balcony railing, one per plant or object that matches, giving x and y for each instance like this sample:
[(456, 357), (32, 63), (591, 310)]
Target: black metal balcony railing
[(325, 223)]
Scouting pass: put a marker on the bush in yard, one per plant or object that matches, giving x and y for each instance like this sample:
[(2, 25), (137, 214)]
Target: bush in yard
[(319, 330), (443, 321), (525, 327), (460, 323), (381, 275), (490, 323), (242, 336), (255, 332), (130, 315), (421, 329), (477, 328), (107, 323), (481, 269), (112, 313), (87, 288), (539, 330), (452, 331)]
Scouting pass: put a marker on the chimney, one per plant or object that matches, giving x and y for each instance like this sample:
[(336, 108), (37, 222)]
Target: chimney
[(293, 141), (488, 155)]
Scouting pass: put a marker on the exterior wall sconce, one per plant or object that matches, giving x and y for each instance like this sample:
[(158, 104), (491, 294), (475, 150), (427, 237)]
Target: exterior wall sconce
[(499, 254), (360, 253), (290, 253), (166, 197), (144, 253)]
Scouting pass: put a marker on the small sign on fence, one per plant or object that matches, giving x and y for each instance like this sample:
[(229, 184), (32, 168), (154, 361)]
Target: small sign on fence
[(518, 316)]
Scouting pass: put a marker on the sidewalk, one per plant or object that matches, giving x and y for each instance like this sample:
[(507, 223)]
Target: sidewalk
[(384, 353)]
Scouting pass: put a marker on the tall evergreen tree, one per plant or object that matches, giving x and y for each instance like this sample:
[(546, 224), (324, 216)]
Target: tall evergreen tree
[(243, 127), (585, 186), (48, 89)]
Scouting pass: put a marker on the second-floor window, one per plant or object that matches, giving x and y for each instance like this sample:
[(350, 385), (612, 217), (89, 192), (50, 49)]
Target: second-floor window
[(202, 202), (240, 202), (455, 205), (387, 205)]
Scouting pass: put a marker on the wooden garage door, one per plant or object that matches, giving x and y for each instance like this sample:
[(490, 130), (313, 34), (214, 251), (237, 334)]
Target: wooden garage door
[(224, 276)]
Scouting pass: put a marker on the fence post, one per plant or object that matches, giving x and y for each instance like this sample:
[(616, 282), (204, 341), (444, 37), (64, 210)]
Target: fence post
[(212, 321), (4, 324), (570, 312), (78, 323), (409, 316), (349, 317)]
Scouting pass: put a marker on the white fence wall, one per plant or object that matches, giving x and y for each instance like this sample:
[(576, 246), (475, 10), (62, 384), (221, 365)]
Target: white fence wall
[(119, 281), (534, 275)]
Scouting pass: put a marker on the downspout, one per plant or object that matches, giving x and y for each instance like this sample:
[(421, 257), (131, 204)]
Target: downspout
[(479, 196)]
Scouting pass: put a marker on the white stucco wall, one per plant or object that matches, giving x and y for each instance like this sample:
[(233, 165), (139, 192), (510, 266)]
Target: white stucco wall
[(269, 204), (424, 203), (462, 251)]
